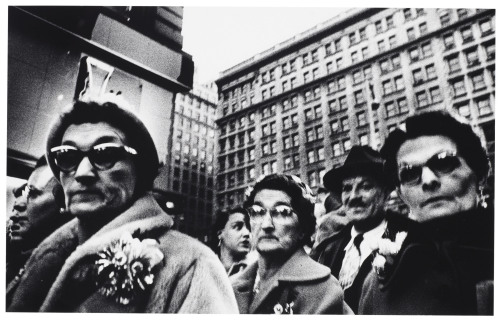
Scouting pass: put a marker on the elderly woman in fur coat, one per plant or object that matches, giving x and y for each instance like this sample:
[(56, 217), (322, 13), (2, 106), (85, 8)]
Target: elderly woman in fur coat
[(119, 253)]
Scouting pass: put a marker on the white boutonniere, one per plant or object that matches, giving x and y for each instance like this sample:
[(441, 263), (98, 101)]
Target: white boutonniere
[(278, 308), (386, 250), (123, 269)]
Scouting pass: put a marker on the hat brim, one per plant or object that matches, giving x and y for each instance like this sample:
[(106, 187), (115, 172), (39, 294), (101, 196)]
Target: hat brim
[(333, 178)]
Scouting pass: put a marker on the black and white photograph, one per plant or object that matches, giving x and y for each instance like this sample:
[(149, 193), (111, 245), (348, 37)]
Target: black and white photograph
[(241, 159)]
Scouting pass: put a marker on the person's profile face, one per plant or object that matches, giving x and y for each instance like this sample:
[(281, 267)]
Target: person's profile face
[(235, 236)]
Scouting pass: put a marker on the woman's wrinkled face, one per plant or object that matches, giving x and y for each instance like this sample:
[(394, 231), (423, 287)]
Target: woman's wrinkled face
[(435, 193), (235, 236), (279, 233)]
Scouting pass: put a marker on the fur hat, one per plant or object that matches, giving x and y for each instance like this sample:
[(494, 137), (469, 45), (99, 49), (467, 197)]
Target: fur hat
[(362, 160), (114, 112)]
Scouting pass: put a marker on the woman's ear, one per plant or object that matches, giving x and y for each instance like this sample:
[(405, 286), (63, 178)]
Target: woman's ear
[(219, 233)]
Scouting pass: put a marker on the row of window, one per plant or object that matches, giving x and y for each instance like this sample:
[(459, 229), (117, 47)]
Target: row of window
[(485, 26), (187, 161), (237, 159), (235, 178)]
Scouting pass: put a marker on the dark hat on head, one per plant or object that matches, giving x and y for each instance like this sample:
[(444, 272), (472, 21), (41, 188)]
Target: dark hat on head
[(362, 160), (117, 113)]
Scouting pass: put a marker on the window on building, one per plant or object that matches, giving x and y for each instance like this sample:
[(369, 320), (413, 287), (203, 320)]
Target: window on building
[(329, 67), (288, 163), (363, 139), (309, 135), (387, 87), (359, 98), (414, 54), (307, 76), (444, 18), (272, 127), (435, 94), (422, 100), (453, 64), (381, 46), (403, 105), (364, 52), (338, 45), (266, 169), (344, 122), (352, 39), (295, 119), (392, 41), (321, 153), (287, 142), (462, 13), (378, 26), (265, 130), (478, 81), (314, 55), (357, 76), (399, 83), (389, 21), (328, 49), (390, 109), (458, 87), (486, 27), (361, 118), (423, 28), (426, 49), (367, 72), (411, 34), (354, 57), (463, 110), (311, 158), (341, 82), (343, 103), (362, 34), (339, 62), (295, 140), (319, 132), (407, 14), (334, 126), (273, 147), (449, 41), (337, 151), (305, 59), (472, 58), (347, 145), (467, 35), (484, 106), (420, 12), (490, 51)]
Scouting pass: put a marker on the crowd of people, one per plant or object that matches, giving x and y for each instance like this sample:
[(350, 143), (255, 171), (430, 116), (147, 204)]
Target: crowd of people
[(87, 234)]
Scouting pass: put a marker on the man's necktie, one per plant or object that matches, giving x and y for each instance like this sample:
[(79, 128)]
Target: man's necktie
[(351, 264)]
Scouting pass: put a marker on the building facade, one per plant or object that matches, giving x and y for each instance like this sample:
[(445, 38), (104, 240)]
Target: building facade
[(191, 162), (298, 107), (57, 54)]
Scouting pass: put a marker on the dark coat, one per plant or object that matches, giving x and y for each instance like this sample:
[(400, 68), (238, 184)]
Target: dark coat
[(445, 267), (58, 275), (331, 253), (301, 281)]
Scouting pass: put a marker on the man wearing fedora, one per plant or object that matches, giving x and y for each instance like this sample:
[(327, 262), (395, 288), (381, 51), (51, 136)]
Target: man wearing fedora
[(364, 189)]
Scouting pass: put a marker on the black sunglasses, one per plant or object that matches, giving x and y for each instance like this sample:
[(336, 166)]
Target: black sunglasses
[(440, 164), (102, 156)]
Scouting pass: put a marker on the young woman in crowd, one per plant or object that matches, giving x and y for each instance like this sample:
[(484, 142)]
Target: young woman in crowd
[(232, 235)]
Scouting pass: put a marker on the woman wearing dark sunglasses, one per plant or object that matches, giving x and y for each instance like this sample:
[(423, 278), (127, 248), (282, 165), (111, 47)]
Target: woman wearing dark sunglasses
[(284, 280), (119, 253), (439, 260)]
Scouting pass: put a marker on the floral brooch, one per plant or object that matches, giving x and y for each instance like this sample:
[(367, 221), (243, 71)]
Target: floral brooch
[(123, 269), (278, 308), (386, 252)]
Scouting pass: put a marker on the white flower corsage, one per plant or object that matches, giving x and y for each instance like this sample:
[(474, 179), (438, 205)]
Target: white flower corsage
[(278, 308), (123, 269), (386, 251)]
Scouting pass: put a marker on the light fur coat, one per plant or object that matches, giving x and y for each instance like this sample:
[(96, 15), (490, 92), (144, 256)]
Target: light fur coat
[(191, 279)]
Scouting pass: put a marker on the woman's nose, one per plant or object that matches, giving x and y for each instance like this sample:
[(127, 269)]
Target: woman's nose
[(429, 179)]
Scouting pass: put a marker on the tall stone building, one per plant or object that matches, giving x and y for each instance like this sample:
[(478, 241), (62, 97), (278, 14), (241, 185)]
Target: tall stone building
[(191, 163), (298, 107)]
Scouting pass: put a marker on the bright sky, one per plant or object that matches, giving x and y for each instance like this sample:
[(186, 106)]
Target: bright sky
[(221, 37)]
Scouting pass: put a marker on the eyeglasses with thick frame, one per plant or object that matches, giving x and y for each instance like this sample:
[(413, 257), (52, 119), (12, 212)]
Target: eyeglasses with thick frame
[(440, 164), (278, 212), (101, 156)]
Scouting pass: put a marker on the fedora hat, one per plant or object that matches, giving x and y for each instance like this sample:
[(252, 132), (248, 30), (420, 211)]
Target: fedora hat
[(362, 160)]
